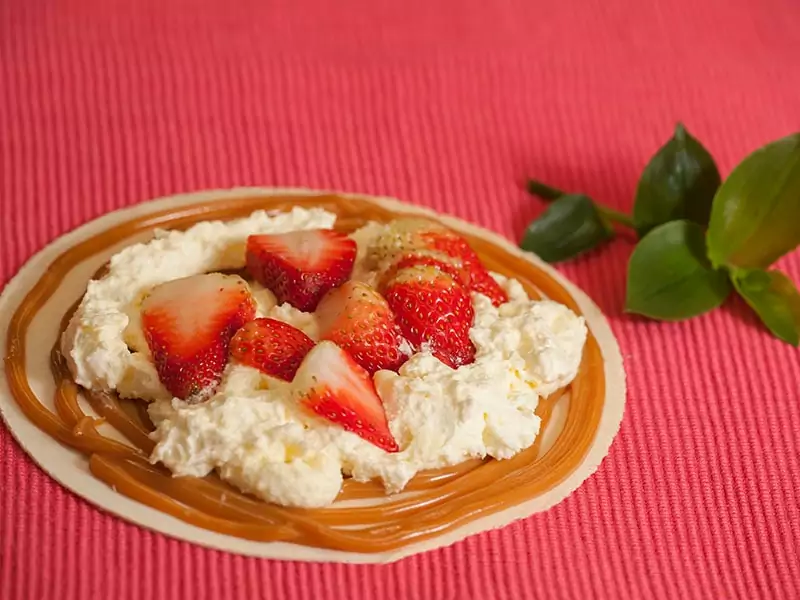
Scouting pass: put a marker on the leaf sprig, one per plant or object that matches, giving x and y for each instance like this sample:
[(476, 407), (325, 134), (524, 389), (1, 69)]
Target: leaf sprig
[(699, 237)]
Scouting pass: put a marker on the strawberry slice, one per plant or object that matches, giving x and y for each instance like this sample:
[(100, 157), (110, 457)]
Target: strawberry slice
[(332, 385), (452, 244), (418, 237), (400, 238), (301, 266), (482, 282), (433, 311), (188, 324), (357, 319), (271, 346), (453, 266)]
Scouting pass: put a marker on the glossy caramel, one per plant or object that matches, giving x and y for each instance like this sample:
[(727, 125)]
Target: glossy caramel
[(433, 503)]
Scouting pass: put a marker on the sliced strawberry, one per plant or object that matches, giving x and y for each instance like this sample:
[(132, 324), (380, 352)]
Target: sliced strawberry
[(188, 324), (449, 242), (332, 385), (400, 238), (453, 266), (274, 347), (301, 266), (433, 311), (413, 237), (480, 280), (357, 318)]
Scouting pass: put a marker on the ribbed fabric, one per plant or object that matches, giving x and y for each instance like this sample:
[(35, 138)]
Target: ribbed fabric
[(449, 104)]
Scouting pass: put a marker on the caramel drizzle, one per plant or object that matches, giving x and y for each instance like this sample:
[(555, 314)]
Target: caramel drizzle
[(434, 502)]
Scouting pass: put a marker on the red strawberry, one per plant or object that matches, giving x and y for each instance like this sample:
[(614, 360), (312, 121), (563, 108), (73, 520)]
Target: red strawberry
[(332, 385), (453, 266), (358, 319), (480, 280), (400, 238), (434, 311), (449, 242), (413, 237), (483, 283), (301, 266), (188, 324), (272, 346)]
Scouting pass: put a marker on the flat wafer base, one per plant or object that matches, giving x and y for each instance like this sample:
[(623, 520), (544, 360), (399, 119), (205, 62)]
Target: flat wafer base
[(70, 467)]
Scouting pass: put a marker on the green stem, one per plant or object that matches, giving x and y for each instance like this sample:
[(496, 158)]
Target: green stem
[(548, 193), (543, 191), (615, 216)]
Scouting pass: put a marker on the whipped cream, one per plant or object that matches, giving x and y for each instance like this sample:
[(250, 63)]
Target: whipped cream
[(253, 432), (104, 346)]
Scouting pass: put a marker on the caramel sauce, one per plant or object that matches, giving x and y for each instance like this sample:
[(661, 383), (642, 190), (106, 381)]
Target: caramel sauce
[(434, 502)]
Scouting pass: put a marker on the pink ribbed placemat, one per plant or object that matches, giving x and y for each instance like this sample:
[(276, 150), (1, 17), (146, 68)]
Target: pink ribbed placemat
[(449, 104)]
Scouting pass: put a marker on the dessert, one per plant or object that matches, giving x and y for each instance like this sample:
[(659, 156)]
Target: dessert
[(435, 388), (423, 371)]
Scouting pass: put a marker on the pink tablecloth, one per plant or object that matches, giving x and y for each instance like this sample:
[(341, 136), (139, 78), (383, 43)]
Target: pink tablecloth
[(449, 104)]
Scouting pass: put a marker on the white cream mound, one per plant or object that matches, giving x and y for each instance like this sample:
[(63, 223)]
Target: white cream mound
[(98, 341), (253, 432)]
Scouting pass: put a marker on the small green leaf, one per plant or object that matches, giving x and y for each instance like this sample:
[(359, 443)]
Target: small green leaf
[(756, 215), (568, 227), (669, 276), (774, 298), (679, 182), (543, 191), (549, 193)]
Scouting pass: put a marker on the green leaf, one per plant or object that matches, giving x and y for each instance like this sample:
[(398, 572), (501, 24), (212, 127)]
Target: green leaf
[(756, 215), (548, 193), (568, 227), (543, 191), (774, 298), (679, 182), (669, 276)]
